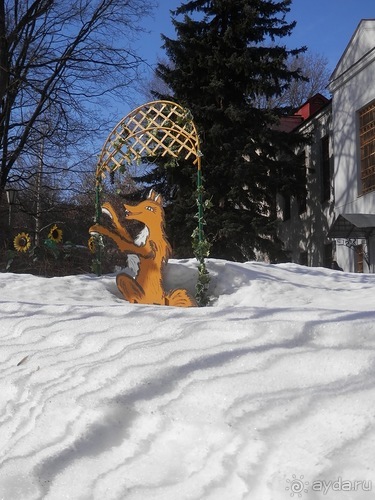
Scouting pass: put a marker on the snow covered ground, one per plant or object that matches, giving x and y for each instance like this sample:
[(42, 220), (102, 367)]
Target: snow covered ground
[(266, 395)]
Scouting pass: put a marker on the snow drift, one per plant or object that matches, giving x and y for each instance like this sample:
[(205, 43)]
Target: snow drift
[(265, 395)]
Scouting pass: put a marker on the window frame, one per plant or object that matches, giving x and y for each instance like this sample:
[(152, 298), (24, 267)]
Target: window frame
[(366, 133), (326, 176)]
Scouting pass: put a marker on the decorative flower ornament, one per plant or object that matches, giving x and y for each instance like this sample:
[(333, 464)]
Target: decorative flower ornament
[(22, 242), (91, 244), (55, 234)]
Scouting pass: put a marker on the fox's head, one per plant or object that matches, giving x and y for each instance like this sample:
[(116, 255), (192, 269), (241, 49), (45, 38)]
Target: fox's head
[(150, 214), (149, 211)]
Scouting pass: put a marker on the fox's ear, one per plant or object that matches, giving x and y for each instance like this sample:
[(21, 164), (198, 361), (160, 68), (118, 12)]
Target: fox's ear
[(154, 196)]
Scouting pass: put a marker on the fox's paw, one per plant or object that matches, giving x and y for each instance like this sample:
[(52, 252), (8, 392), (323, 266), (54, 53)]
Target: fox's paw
[(95, 229), (180, 298), (107, 209)]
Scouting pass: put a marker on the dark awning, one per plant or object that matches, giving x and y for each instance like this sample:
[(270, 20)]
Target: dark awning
[(356, 226)]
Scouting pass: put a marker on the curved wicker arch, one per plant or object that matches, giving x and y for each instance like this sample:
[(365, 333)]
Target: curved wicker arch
[(155, 128)]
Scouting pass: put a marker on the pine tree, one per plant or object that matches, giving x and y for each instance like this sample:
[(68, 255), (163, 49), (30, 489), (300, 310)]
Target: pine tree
[(224, 58)]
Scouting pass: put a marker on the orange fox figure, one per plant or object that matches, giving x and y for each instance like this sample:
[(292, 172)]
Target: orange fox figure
[(152, 249)]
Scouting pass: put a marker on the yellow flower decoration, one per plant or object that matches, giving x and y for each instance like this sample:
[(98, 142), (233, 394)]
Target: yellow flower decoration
[(22, 242), (55, 234), (91, 244)]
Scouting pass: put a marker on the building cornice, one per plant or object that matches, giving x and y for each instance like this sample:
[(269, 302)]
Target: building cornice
[(340, 80)]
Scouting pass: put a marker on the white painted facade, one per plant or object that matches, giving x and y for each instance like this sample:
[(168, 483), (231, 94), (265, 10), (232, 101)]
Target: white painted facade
[(352, 85), (306, 235)]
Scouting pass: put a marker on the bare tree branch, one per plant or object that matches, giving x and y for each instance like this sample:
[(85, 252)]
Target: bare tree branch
[(58, 59)]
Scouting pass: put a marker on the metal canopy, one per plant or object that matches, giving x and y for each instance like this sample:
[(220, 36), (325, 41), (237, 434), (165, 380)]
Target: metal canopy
[(355, 226)]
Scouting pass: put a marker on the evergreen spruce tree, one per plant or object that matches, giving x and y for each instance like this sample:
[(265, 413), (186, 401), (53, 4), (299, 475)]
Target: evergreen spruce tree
[(226, 55)]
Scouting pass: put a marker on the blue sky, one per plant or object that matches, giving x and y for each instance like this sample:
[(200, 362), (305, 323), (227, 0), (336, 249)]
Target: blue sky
[(324, 26)]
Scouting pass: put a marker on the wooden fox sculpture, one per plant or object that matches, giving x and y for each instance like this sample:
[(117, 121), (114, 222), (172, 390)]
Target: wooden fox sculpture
[(152, 249)]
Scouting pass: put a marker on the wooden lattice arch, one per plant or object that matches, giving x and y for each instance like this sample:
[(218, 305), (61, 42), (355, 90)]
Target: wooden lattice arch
[(158, 128)]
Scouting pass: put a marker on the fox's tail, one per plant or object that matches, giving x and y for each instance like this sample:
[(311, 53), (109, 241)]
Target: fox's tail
[(180, 298)]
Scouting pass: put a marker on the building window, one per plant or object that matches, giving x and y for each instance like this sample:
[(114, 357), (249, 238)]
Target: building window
[(303, 259), (328, 255), (286, 207), (301, 198), (367, 145), (359, 259), (326, 169)]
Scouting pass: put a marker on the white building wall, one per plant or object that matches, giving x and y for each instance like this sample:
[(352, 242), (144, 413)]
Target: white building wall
[(305, 235), (352, 87), (346, 104)]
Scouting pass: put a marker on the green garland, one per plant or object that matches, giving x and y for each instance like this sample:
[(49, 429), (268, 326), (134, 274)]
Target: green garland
[(99, 244), (201, 247)]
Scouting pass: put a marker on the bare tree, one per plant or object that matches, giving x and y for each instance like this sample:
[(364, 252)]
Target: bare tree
[(314, 67), (153, 87), (59, 59)]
